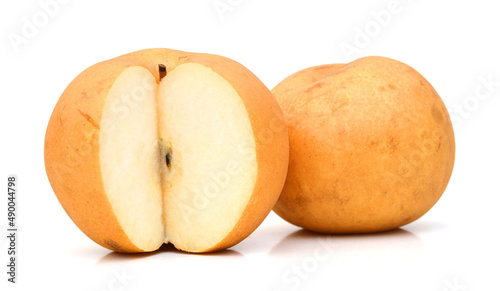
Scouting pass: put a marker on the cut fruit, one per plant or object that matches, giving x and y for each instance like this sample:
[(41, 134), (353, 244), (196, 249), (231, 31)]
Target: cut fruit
[(204, 130), (129, 157), (212, 171), (174, 152)]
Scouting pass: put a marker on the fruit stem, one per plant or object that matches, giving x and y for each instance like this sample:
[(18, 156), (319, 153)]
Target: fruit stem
[(162, 70)]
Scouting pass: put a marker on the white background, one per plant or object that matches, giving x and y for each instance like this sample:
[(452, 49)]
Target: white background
[(454, 247)]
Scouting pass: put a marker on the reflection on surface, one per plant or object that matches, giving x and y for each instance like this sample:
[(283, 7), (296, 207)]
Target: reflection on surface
[(114, 257), (397, 242)]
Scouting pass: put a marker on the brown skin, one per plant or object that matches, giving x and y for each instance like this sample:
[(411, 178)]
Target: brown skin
[(72, 144), (371, 146)]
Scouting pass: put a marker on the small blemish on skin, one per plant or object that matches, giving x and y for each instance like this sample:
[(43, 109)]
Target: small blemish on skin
[(185, 58), (113, 245), (317, 85), (89, 135), (436, 115), (392, 145), (89, 119), (407, 219)]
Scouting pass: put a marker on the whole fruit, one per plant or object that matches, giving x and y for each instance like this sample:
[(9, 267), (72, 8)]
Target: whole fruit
[(371, 146)]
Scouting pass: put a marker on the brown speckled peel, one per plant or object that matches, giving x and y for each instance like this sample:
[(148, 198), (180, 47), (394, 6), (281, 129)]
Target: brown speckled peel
[(72, 144), (371, 146)]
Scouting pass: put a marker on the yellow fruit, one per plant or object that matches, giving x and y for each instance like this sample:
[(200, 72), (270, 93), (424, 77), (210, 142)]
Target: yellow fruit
[(371, 146), (162, 146)]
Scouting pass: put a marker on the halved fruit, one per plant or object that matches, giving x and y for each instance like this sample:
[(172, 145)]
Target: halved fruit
[(196, 158)]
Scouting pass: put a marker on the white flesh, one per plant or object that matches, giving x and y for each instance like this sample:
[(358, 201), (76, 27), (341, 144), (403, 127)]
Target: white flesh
[(128, 150), (196, 118)]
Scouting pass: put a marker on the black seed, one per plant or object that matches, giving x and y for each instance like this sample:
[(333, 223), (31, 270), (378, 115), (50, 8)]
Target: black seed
[(168, 159)]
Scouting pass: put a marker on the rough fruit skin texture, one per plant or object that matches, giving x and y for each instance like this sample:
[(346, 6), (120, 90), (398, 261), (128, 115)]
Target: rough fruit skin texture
[(371, 146), (72, 144)]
